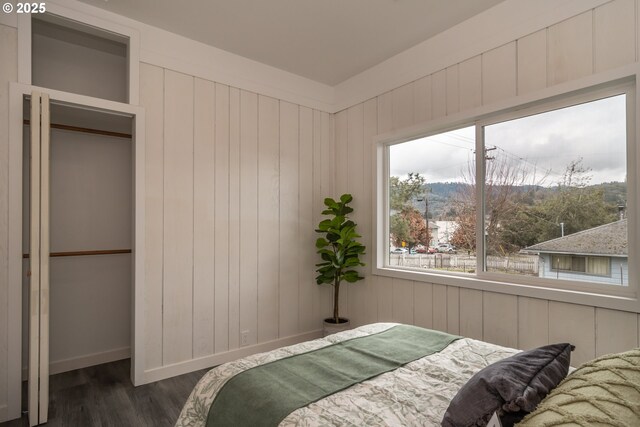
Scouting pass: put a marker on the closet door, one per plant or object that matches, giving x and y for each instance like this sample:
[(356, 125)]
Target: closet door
[(38, 383)]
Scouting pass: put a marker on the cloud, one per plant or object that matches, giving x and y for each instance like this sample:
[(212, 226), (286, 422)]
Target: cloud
[(594, 132)]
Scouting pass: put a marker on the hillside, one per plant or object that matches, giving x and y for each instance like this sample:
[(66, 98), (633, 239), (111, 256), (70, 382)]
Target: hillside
[(441, 193)]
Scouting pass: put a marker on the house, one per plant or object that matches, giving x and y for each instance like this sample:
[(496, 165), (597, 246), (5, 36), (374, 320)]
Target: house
[(192, 145), (434, 233), (446, 230), (598, 254)]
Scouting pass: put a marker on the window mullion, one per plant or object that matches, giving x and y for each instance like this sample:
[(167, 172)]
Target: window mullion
[(480, 203)]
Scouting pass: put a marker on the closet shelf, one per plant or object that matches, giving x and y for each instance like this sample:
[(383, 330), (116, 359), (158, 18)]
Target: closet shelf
[(85, 253), (85, 130)]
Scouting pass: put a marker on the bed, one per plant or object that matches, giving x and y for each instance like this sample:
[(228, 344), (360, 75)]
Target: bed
[(417, 393)]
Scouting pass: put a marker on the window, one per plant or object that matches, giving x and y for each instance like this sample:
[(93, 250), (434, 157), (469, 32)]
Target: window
[(550, 208), (599, 266)]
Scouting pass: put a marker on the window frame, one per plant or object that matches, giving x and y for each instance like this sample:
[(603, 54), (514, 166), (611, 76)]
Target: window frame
[(606, 84)]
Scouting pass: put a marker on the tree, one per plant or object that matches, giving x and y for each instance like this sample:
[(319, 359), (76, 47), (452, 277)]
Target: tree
[(406, 223), (572, 202), (508, 183), (575, 204), (409, 226), (401, 192)]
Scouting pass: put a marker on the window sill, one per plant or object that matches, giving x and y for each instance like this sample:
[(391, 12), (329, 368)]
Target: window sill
[(625, 301)]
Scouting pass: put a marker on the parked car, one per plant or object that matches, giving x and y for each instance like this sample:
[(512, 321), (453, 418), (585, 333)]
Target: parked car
[(432, 250), (446, 248), (421, 250), (399, 251)]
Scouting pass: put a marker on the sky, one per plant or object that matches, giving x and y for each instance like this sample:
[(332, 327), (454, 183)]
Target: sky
[(545, 143)]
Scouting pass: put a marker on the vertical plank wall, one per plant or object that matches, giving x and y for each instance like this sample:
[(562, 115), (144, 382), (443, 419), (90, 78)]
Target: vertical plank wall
[(233, 180), (590, 42), (8, 73), (235, 183)]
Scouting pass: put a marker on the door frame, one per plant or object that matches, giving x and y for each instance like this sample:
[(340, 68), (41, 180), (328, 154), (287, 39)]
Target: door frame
[(17, 92)]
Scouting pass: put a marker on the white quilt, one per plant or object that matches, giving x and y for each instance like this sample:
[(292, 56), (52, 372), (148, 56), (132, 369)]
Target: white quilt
[(416, 394)]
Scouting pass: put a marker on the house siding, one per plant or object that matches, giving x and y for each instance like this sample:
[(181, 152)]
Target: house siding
[(619, 272)]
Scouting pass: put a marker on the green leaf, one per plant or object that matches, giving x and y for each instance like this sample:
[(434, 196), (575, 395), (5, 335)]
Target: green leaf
[(346, 198), (330, 202), (321, 243), (327, 257)]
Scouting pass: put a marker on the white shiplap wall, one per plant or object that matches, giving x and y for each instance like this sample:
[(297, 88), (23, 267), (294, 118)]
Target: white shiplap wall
[(590, 42), (8, 72), (232, 183), (235, 183)]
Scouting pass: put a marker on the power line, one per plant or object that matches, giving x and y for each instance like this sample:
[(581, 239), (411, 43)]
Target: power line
[(450, 144)]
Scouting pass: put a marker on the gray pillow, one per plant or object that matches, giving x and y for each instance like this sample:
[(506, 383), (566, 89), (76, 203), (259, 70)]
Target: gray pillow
[(513, 387)]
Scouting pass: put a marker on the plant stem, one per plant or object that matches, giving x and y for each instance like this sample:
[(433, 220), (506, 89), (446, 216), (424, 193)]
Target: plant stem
[(336, 294)]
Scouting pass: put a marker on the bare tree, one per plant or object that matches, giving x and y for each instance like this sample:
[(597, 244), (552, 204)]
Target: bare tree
[(508, 181)]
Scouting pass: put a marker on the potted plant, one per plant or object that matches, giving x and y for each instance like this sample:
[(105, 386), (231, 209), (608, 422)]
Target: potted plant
[(340, 252)]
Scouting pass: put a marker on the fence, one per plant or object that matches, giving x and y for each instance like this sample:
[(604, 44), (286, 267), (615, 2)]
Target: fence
[(520, 264)]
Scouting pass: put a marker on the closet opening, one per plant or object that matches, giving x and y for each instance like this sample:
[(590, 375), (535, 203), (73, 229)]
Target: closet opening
[(91, 235)]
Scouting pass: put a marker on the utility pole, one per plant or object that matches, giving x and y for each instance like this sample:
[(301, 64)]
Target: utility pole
[(486, 150), (426, 210)]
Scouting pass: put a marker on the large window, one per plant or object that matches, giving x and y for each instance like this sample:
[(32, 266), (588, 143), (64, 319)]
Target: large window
[(550, 207)]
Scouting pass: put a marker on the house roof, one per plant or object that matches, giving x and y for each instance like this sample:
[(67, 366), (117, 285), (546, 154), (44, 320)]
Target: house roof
[(608, 239)]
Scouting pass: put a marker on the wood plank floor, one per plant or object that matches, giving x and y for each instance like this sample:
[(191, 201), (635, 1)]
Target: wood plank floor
[(103, 395)]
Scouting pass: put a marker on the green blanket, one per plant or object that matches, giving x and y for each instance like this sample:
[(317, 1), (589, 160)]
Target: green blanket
[(266, 394)]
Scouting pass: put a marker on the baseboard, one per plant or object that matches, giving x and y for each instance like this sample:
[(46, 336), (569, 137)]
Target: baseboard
[(60, 366), (180, 368), (66, 365)]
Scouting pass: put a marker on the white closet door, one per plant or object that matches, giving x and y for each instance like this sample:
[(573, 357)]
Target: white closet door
[(39, 262)]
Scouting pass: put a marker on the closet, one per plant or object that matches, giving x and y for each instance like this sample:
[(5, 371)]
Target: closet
[(78, 204)]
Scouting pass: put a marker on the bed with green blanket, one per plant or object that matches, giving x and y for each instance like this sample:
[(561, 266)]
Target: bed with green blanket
[(379, 374)]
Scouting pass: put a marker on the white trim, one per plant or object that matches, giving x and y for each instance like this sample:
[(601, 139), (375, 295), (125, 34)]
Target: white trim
[(83, 20), (580, 293), (85, 361), (14, 327), (519, 289), (24, 48), (66, 365), (17, 91), (138, 248), (472, 37), (191, 365)]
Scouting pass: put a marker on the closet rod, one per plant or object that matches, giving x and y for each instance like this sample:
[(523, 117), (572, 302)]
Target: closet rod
[(85, 130), (84, 253)]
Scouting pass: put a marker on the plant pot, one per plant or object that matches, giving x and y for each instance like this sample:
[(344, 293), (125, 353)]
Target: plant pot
[(329, 327)]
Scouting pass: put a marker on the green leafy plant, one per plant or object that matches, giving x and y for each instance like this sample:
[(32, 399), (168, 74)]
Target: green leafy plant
[(339, 249)]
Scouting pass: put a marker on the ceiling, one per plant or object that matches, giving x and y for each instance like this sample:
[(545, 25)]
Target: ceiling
[(327, 41)]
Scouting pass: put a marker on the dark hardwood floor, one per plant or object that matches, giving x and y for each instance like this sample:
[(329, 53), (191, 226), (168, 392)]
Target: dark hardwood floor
[(103, 395)]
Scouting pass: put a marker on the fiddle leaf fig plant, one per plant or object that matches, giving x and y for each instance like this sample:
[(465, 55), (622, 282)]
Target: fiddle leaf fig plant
[(339, 249)]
